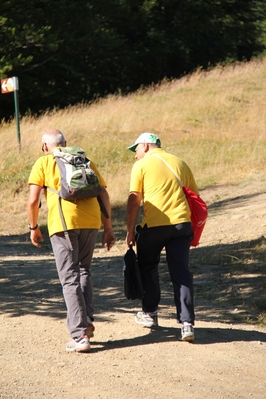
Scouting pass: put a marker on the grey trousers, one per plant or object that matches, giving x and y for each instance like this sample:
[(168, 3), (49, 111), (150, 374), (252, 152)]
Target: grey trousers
[(73, 269)]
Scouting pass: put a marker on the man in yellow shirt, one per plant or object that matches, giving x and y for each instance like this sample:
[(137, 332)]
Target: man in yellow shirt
[(83, 220), (165, 224)]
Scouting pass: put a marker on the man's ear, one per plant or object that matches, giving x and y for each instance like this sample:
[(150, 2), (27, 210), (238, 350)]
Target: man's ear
[(147, 147)]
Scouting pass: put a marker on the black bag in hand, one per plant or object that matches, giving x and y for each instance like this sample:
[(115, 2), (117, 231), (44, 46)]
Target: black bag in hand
[(132, 280)]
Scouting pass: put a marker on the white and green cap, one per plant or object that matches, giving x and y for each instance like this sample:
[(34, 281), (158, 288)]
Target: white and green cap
[(146, 137)]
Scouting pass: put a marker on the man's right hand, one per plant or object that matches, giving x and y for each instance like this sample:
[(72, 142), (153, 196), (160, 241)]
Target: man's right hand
[(36, 237), (130, 239)]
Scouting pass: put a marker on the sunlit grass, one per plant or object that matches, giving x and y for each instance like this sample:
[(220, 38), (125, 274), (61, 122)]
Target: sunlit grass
[(215, 121)]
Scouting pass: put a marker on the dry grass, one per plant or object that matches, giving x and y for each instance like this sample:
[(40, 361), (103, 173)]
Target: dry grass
[(215, 121)]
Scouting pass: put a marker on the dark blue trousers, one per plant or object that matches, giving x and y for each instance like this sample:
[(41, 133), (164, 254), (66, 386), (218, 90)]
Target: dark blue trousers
[(176, 241)]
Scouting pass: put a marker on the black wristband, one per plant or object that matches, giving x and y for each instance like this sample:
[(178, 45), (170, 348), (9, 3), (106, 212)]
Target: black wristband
[(33, 228)]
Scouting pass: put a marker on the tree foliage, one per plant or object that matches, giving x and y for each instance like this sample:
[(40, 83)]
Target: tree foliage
[(65, 52)]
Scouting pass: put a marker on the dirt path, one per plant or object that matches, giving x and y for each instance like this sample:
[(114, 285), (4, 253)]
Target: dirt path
[(227, 360)]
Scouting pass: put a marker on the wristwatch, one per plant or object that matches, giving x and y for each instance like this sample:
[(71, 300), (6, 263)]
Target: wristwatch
[(33, 228)]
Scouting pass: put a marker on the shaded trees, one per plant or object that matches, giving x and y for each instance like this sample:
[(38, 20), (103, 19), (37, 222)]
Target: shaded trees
[(67, 52)]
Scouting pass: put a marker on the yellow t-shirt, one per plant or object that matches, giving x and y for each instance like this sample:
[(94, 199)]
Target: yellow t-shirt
[(81, 214), (164, 202)]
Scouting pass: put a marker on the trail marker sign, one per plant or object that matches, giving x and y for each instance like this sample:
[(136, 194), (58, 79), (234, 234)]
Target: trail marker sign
[(9, 84)]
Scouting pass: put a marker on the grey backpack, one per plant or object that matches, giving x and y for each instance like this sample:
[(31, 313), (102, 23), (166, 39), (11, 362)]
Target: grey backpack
[(77, 180)]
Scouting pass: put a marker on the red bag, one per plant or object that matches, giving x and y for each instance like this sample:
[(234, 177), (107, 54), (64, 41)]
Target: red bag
[(199, 214)]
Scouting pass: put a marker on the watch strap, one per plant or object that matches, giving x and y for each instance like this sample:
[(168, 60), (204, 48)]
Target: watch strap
[(33, 228)]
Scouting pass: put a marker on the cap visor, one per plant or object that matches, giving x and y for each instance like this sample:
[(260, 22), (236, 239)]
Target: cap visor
[(132, 147)]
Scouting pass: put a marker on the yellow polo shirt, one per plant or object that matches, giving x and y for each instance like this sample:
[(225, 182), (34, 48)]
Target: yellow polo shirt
[(164, 202), (81, 214)]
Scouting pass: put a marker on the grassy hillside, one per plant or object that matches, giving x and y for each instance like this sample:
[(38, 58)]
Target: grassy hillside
[(215, 121)]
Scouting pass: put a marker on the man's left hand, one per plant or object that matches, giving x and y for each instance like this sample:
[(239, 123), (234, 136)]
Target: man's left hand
[(108, 239)]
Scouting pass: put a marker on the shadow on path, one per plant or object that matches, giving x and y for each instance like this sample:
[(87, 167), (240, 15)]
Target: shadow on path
[(230, 285), (204, 336)]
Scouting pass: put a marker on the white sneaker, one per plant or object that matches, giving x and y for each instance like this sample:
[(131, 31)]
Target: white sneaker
[(147, 319), (81, 344), (187, 333)]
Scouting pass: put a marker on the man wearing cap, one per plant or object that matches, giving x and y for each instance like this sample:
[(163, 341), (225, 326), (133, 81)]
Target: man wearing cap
[(165, 224)]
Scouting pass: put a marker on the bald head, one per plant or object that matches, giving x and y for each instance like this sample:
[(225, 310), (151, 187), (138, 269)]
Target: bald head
[(52, 138)]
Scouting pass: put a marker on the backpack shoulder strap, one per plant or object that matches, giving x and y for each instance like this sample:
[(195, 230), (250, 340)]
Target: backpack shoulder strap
[(64, 224)]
